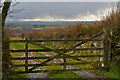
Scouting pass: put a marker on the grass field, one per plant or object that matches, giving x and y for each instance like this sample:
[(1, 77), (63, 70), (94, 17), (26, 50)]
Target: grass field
[(113, 73), (37, 28)]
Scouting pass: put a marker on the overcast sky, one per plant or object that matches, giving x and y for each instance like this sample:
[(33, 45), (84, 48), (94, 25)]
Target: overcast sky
[(59, 11)]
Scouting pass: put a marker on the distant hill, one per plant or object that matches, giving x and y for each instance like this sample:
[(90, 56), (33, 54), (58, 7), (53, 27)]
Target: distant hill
[(46, 23), (28, 26)]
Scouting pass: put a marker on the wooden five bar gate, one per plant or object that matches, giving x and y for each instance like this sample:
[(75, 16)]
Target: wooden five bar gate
[(29, 68)]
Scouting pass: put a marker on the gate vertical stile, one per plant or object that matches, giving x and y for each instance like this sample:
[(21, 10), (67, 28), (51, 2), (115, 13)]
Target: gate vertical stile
[(107, 49), (26, 55), (64, 57), (9, 55), (102, 52)]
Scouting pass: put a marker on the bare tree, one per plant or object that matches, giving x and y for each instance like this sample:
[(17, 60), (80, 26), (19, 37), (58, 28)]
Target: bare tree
[(5, 66), (4, 13)]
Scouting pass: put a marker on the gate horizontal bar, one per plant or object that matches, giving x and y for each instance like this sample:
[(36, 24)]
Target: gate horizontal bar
[(22, 72), (58, 64), (17, 41), (31, 58), (117, 46), (48, 50), (56, 40)]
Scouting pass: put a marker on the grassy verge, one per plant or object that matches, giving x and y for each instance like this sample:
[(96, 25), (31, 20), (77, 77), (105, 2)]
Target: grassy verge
[(113, 73), (17, 76), (109, 74)]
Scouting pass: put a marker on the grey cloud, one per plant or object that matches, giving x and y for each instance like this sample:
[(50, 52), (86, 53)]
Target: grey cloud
[(57, 9)]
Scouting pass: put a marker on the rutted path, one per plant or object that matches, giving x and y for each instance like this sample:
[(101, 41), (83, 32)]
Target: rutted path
[(36, 75)]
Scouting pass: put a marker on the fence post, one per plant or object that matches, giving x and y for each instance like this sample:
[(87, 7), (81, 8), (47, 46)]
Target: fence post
[(107, 49), (64, 57), (26, 54)]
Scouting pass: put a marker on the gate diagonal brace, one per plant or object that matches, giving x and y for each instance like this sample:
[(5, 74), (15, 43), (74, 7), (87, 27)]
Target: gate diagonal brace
[(64, 52), (53, 57), (94, 36)]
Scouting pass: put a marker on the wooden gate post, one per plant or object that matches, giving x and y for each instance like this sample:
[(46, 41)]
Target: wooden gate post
[(26, 54), (6, 58), (107, 49), (118, 7)]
